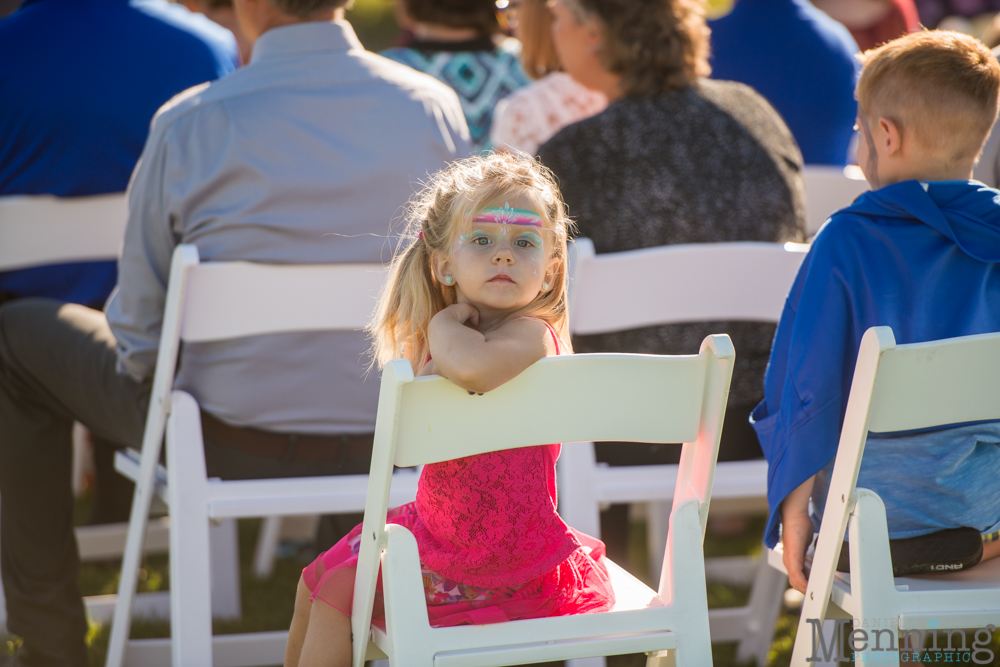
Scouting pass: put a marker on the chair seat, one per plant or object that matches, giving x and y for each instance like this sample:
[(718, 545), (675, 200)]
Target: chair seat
[(982, 580), (630, 593)]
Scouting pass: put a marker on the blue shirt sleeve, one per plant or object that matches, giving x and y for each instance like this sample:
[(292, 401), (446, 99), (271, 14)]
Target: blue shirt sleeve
[(798, 423)]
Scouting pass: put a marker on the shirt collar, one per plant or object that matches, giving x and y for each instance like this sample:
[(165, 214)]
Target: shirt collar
[(306, 38)]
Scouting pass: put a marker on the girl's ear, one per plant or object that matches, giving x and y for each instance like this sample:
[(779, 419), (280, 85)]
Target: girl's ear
[(550, 271), (441, 265)]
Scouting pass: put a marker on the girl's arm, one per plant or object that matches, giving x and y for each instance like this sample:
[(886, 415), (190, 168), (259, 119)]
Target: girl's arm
[(481, 362)]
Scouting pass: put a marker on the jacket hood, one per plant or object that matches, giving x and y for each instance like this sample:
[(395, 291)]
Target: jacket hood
[(967, 212)]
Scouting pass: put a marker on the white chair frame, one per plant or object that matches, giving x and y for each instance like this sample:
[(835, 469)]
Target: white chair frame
[(898, 388), (680, 283), (598, 397), (36, 230), (829, 189), (218, 301), (43, 229)]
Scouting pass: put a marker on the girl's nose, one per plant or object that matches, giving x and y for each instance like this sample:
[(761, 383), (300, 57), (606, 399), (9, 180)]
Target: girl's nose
[(503, 256)]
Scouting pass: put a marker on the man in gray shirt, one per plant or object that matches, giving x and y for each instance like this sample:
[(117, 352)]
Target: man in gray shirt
[(307, 155)]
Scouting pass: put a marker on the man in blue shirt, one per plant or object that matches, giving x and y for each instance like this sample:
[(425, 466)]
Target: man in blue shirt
[(80, 81), (802, 61)]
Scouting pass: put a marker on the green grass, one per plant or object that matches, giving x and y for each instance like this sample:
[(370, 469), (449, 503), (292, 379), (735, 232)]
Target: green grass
[(267, 605)]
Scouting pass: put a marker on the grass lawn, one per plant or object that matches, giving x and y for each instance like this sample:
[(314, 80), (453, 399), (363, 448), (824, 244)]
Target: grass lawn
[(267, 605)]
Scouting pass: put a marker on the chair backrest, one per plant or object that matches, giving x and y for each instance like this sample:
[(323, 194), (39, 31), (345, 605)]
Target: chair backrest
[(640, 398), (564, 399), (897, 388), (43, 229), (222, 300), (829, 189), (680, 283)]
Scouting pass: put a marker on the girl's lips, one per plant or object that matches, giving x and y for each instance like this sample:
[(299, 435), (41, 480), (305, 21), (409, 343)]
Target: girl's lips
[(501, 278)]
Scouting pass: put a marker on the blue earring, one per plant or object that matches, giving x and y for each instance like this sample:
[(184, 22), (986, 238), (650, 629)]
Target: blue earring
[(448, 280)]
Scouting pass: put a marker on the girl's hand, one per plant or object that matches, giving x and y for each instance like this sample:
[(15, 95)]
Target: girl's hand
[(464, 313), (480, 362), (430, 368)]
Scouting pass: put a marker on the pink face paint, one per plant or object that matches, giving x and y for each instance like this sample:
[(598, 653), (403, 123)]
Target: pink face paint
[(508, 216)]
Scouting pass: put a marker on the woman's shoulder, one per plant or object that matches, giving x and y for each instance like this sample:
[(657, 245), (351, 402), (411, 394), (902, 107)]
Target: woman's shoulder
[(749, 108)]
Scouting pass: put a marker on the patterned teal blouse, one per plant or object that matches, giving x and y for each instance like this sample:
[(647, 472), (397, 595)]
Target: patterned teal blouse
[(481, 71)]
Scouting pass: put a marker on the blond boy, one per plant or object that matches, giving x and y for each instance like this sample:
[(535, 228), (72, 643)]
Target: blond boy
[(920, 253)]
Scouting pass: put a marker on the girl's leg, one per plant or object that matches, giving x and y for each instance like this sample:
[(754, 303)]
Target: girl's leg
[(328, 638), (991, 549), (300, 621)]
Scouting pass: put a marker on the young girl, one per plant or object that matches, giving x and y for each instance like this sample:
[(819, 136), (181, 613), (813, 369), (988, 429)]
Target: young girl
[(478, 296)]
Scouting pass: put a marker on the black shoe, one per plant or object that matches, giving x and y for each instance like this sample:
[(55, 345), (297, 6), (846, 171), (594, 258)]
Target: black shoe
[(936, 553)]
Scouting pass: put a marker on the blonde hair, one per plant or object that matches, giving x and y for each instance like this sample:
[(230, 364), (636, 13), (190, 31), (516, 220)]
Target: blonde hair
[(413, 295), (939, 86), (538, 51)]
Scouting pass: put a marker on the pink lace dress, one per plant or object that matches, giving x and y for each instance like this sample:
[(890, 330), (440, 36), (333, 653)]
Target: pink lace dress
[(492, 547)]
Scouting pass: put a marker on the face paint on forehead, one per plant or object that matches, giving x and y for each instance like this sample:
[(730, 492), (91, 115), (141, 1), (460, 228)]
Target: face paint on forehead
[(507, 216)]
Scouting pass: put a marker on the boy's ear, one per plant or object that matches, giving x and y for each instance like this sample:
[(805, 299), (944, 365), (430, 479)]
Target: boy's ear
[(891, 138)]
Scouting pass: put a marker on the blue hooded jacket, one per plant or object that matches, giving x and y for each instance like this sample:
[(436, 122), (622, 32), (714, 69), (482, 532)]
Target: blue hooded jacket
[(922, 258)]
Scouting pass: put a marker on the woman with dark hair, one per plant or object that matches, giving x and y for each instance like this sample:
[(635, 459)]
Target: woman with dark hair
[(460, 42), (675, 158)]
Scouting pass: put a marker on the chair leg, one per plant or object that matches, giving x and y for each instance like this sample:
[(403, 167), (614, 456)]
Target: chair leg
[(598, 661), (267, 547), (661, 659), (577, 503), (657, 527), (766, 598), (225, 570), (190, 577)]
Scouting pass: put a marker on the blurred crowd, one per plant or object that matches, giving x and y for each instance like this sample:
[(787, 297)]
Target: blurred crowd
[(263, 130)]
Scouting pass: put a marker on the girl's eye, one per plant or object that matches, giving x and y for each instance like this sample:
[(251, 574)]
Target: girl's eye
[(522, 243), (481, 240)]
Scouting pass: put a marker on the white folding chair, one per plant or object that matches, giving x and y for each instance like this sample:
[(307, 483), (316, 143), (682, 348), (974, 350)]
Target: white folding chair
[(898, 388), (43, 229), (680, 283), (829, 189), (640, 398), (36, 230), (210, 302)]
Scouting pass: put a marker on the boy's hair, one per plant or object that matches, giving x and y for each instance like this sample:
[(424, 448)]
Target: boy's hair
[(413, 295), (940, 87)]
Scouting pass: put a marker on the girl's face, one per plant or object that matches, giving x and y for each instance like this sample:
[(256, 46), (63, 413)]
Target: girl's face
[(501, 259)]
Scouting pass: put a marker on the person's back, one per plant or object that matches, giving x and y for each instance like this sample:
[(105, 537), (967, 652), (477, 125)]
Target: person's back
[(801, 61), (461, 43), (304, 156), (80, 81), (708, 163), (920, 253)]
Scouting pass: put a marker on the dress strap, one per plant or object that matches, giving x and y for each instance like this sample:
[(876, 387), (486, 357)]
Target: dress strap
[(555, 338)]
